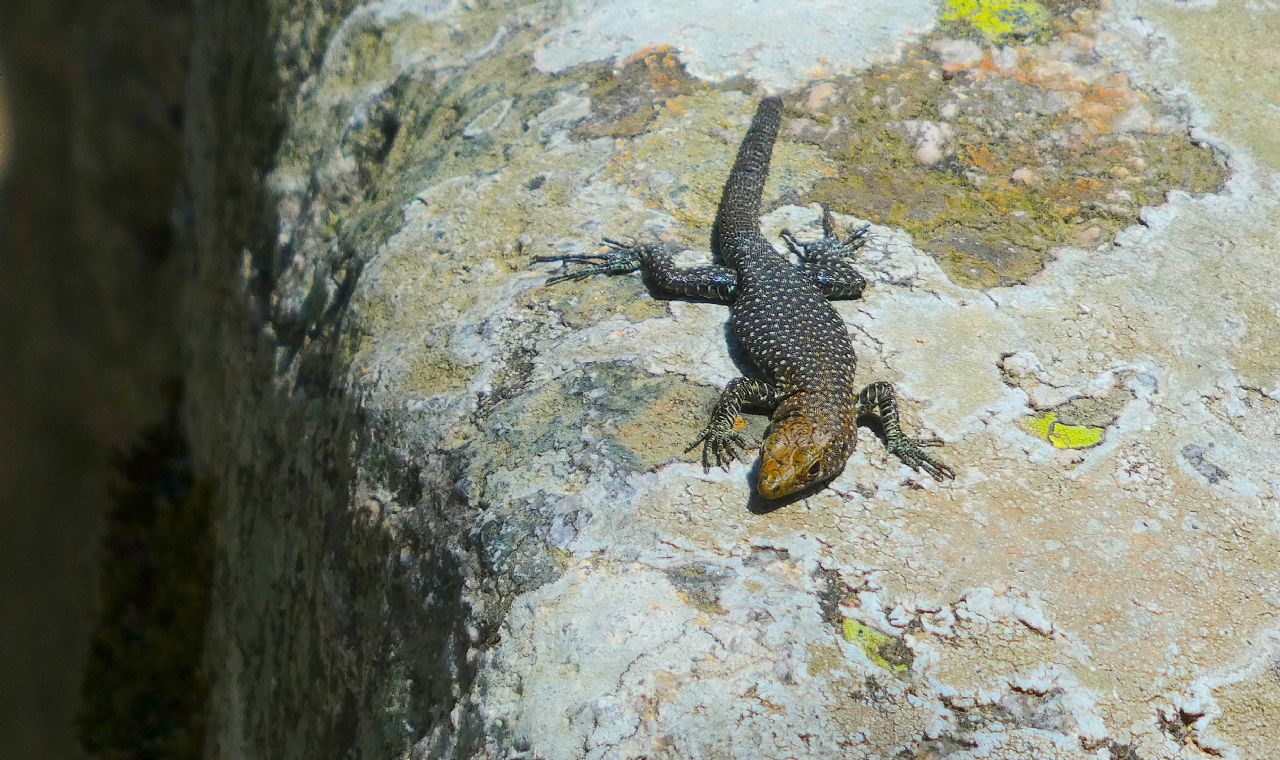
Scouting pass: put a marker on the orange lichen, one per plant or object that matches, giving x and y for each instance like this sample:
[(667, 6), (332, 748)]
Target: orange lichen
[(662, 65)]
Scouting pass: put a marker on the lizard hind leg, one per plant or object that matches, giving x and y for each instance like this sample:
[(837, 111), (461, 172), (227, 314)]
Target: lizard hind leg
[(827, 262), (835, 282), (830, 249), (880, 399)]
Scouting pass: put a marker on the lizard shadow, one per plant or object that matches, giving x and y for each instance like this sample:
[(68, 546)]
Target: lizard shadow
[(871, 421), (737, 353), (758, 505)]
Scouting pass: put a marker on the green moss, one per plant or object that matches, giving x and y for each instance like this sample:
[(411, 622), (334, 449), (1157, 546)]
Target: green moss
[(627, 101), (563, 558), (700, 586), (1062, 436), (1091, 411), (433, 372), (885, 651), (1174, 167), (1019, 173), (637, 413)]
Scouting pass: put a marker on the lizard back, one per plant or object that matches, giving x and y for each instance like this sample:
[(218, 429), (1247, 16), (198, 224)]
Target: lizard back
[(787, 326)]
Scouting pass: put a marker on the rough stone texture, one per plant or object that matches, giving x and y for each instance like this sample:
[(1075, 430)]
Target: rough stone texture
[(458, 521)]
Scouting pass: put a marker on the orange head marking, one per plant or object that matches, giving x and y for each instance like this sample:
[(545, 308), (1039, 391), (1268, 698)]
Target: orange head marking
[(796, 455)]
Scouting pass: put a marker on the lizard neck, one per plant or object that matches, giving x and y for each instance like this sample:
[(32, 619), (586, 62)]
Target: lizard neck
[(833, 415)]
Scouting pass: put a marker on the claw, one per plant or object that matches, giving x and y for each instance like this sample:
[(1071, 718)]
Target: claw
[(620, 259), (913, 457), (930, 441), (725, 447), (828, 222), (725, 457), (619, 246), (706, 461), (577, 274), (734, 445), (829, 229), (938, 470), (831, 242), (794, 245), (574, 257)]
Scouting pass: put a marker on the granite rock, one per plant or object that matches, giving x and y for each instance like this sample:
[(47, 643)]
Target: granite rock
[(457, 519)]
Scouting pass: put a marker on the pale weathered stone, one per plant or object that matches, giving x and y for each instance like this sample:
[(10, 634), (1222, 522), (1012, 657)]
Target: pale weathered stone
[(458, 518)]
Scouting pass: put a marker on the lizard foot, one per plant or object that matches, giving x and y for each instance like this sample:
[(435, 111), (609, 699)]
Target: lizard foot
[(621, 258), (725, 445), (908, 450), (831, 245)]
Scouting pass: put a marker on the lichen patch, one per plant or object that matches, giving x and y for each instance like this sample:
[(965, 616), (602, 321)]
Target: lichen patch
[(993, 156)]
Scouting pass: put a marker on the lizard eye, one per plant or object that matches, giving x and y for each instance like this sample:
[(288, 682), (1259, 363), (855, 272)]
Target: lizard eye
[(814, 468)]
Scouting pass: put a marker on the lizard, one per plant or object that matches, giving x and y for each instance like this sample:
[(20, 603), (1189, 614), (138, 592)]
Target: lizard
[(781, 317)]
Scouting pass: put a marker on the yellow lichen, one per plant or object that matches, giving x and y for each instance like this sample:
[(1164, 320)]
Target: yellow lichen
[(1062, 436), (872, 643), (1000, 20)]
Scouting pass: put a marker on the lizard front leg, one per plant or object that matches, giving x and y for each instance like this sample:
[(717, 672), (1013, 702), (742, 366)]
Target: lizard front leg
[(828, 263), (720, 437), (879, 399), (712, 283)]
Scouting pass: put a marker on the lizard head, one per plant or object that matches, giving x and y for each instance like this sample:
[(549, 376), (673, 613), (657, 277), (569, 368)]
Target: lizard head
[(798, 454)]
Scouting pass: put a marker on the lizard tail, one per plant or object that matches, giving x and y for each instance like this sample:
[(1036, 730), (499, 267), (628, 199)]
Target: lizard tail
[(739, 213)]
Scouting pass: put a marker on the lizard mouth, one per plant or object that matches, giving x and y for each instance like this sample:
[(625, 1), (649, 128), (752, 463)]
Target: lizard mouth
[(779, 478)]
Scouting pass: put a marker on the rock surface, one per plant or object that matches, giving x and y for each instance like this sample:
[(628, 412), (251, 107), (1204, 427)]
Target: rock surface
[(457, 517)]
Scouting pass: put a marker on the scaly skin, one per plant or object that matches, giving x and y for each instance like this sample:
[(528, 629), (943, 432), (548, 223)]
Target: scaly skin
[(792, 334)]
